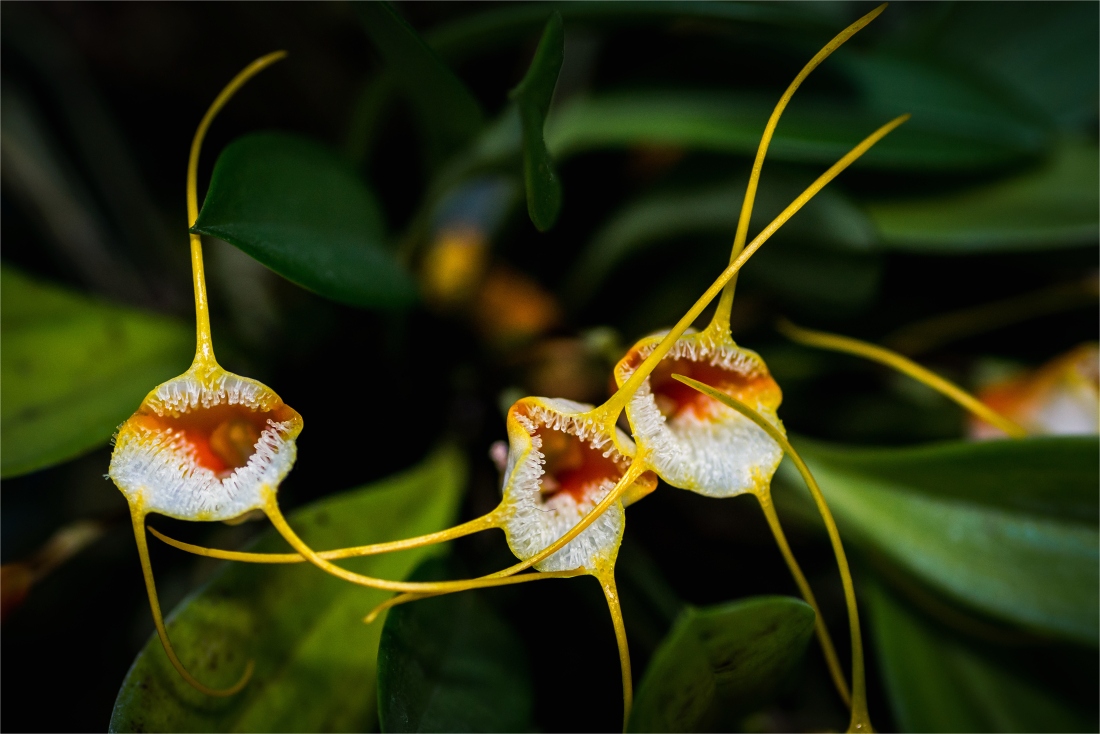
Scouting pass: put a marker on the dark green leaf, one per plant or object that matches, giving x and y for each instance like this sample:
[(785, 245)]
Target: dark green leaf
[(720, 663), (452, 663), (939, 681), (72, 369), (532, 96), (1052, 206), (820, 133), (829, 220), (315, 659), (1006, 527), (302, 211), (448, 114)]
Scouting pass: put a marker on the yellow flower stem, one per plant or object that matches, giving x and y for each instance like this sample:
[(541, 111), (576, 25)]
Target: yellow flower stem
[(605, 574), (721, 320), (611, 409), (837, 343), (823, 637), (137, 515), (204, 348), (860, 721), (467, 528)]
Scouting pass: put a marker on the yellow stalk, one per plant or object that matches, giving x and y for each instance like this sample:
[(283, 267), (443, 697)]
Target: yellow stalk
[(860, 721), (837, 343)]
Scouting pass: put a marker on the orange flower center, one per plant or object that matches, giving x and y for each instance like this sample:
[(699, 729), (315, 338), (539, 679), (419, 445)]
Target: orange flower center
[(223, 436), (574, 467), (674, 398)]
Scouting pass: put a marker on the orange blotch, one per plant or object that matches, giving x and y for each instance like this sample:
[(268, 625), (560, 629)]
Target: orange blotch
[(574, 467), (674, 398), (223, 436)]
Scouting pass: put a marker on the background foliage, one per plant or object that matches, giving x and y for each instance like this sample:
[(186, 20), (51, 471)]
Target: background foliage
[(430, 210)]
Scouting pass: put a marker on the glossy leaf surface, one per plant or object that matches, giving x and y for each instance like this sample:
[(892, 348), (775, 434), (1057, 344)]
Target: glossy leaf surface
[(448, 114), (937, 680), (1053, 205), (299, 209), (72, 369), (315, 659), (532, 97), (1006, 527), (452, 663), (721, 662)]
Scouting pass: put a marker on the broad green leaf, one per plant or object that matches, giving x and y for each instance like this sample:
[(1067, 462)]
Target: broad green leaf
[(72, 369), (532, 97), (809, 132), (720, 663), (1044, 52), (315, 659), (298, 208), (937, 680), (448, 114), (1005, 527), (452, 663), (1051, 206), (830, 220)]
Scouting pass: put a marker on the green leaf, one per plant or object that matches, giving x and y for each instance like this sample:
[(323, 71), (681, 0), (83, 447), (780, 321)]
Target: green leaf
[(818, 133), (72, 369), (298, 208), (315, 659), (1051, 206), (532, 97), (452, 663), (1005, 527), (938, 681), (721, 662), (448, 114), (830, 220)]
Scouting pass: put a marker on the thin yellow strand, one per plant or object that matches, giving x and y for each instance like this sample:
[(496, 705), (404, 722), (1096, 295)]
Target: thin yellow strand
[(606, 576), (138, 518), (823, 637), (838, 343), (861, 720), (473, 526), (204, 349), (725, 303), (618, 401)]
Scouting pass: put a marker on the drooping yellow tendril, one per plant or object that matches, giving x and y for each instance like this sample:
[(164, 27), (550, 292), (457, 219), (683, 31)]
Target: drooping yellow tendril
[(837, 343), (138, 517), (725, 303), (204, 352), (860, 720)]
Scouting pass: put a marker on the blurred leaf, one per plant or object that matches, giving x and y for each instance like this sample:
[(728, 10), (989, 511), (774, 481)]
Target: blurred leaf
[(1044, 52), (721, 662), (810, 132), (295, 206), (508, 25), (532, 97), (315, 659), (72, 369), (829, 220), (448, 114), (452, 663), (936, 681), (1052, 206), (1007, 527)]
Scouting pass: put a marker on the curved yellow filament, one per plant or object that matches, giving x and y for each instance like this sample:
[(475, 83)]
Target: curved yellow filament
[(204, 348), (823, 637), (721, 318), (837, 343), (860, 721), (467, 528), (605, 574), (138, 517)]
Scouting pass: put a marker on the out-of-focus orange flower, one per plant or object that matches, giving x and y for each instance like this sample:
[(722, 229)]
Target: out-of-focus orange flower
[(512, 308), (1062, 397)]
